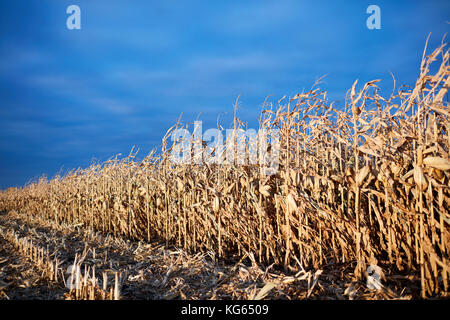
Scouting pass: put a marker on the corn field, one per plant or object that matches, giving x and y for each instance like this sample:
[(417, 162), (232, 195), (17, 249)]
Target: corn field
[(367, 183)]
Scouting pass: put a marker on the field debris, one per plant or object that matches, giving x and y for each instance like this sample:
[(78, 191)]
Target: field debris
[(113, 268), (374, 273)]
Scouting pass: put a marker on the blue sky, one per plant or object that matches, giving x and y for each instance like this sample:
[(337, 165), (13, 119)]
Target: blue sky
[(70, 96)]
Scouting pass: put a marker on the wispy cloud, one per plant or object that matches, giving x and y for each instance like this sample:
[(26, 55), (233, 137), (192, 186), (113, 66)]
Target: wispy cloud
[(20, 57), (81, 90)]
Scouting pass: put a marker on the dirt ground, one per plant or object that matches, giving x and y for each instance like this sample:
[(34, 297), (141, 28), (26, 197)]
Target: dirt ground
[(153, 271)]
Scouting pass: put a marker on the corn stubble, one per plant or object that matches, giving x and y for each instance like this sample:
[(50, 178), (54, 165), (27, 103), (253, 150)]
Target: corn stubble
[(84, 286), (367, 183)]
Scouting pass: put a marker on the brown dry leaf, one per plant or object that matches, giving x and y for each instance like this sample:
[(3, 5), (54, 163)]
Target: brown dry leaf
[(362, 174), (437, 163), (264, 190), (419, 178), (291, 202), (265, 290)]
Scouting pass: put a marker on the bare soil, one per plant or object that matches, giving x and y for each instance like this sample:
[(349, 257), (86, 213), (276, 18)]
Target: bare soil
[(153, 271)]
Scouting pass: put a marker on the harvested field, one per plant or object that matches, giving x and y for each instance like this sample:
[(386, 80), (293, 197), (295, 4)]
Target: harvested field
[(365, 184), (150, 271)]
